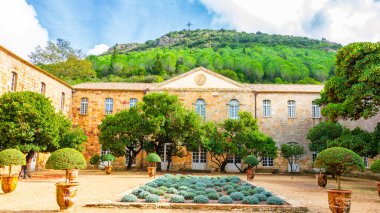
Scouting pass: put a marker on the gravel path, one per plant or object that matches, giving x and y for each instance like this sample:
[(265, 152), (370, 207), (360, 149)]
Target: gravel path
[(38, 194)]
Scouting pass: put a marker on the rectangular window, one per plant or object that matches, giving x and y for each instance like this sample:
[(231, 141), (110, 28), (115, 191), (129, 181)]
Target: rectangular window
[(266, 108), (43, 88), (104, 152), (109, 106), (232, 159), (291, 109), (63, 101), (132, 102), (83, 106), (233, 109), (267, 161), (316, 110), (14, 82), (314, 155)]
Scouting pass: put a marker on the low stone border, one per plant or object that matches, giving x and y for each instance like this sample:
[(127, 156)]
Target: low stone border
[(203, 207)]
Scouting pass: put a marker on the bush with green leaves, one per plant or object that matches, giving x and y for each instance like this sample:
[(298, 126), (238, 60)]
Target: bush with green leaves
[(230, 191), (213, 196), (152, 184), (177, 199), (266, 193), (375, 167), (152, 159), (183, 188), (163, 188), (200, 193), (172, 191), (210, 190), (251, 160), (246, 193), (201, 199), (225, 200), (189, 196), (258, 190), (137, 191), (11, 157), (143, 194), (251, 200), (94, 160), (152, 199), (108, 158), (244, 188), (129, 198), (260, 197), (275, 201), (237, 196), (66, 158), (158, 192), (218, 189)]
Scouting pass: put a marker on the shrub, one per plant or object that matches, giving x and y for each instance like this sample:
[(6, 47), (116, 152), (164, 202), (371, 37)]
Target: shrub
[(129, 198), (275, 201), (245, 193), (200, 193), (183, 188), (66, 158), (94, 160), (11, 157), (219, 189), (266, 193), (251, 191), (251, 160), (244, 188), (375, 167), (189, 196), (338, 160), (143, 194), (152, 199), (260, 197), (153, 158), (147, 188), (225, 200), (237, 196), (250, 200), (201, 199), (172, 191), (158, 192), (200, 188), (230, 191), (208, 191), (177, 199), (258, 190), (152, 184), (213, 196), (108, 157), (137, 191), (163, 188), (227, 187), (235, 179)]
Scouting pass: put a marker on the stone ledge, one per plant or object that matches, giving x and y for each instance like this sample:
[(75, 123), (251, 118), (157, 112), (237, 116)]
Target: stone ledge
[(203, 207)]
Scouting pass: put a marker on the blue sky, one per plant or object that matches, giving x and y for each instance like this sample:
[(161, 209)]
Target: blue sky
[(95, 25)]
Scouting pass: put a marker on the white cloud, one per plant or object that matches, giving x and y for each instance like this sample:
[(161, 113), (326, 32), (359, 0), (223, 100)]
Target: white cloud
[(342, 21), (20, 30), (98, 49)]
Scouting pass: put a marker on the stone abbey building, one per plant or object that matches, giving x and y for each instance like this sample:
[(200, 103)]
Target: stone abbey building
[(284, 112)]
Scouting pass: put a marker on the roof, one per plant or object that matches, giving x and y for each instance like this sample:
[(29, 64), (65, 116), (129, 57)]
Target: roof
[(297, 88), (32, 65), (120, 86)]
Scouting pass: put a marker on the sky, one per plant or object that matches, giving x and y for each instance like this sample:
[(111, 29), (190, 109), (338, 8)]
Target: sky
[(95, 25)]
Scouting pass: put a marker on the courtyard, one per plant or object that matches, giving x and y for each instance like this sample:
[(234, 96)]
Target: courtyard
[(38, 193)]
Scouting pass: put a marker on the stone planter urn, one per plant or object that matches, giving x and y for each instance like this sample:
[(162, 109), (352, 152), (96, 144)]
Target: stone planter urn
[(66, 194), (322, 180), (8, 183), (250, 173), (339, 200), (10, 157), (108, 169)]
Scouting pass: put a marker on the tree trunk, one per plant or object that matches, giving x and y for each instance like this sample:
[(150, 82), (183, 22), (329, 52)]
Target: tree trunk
[(240, 170), (129, 159), (338, 180), (223, 166), (26, 169)]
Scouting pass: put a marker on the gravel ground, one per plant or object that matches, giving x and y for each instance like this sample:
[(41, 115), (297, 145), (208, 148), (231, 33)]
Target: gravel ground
[(38, 194)]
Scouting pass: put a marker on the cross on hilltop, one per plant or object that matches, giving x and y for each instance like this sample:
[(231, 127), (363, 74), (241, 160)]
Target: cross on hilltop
[(189, 25)]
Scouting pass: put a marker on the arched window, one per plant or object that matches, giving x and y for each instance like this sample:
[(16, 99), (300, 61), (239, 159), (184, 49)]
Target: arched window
[(316, 110), (132, 102), (43, 88), (63, 101), (291, 109), (109, 106), (266, 108), (14, 82), (233, 109), (83, 106), (200, 107)]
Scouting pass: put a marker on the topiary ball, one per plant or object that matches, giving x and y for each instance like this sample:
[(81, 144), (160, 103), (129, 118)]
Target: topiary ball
[(251, 160), (66, 158), (177, 199), (108, 157), (275, 201), (250, 200), (260, 197), (225, 200), (201, 199), (129, 198), (237, 196), (11, 157), (152, 199), (153, 158), (213, 196)]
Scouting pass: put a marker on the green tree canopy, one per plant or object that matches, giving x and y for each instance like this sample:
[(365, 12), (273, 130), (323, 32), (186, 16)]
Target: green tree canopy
[(323, 132), (292, 152), (354, 91)]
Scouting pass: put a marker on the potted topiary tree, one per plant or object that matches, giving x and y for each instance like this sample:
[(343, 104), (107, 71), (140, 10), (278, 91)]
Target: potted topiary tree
[(152, 159), (10, 157), (66, 159), (375, 168), (252, 161), (338, 161), (108, 158), (94, 160)]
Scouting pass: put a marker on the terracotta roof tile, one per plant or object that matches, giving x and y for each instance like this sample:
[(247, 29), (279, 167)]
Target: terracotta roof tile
[(302, 88), (113, 86)]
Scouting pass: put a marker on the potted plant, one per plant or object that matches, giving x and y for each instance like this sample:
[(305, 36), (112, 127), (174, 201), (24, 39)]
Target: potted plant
[(321, 179), (338, 161), (66, 159), (94, 160), (252, 161), (375, 168), (108, 158), (10, 157), (152, 159)]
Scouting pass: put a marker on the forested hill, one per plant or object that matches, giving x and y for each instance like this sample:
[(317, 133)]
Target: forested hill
[(245, 57)]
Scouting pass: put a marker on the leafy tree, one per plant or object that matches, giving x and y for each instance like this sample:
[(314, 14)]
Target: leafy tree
[(323, 132), (56, 52), (376, 136), (29, 123), (124, 133), (292, 152), (170, 123), (354, 91)]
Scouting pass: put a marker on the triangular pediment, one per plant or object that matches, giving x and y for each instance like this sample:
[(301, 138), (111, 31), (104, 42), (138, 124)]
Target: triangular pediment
[(200, 78)]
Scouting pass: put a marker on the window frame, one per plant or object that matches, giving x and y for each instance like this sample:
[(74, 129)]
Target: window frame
[(292, 109), (132, 102), (43, 88), (108, 106), (267, 108), (233, 109), (315, 110), (63, 96), (267, 162), (14, 82), (83, 110), (200, 107)]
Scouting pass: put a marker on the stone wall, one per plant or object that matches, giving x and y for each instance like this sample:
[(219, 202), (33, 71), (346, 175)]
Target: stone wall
[(29, 78)]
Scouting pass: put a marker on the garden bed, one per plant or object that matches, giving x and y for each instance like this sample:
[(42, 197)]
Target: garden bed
[(202, 193)]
